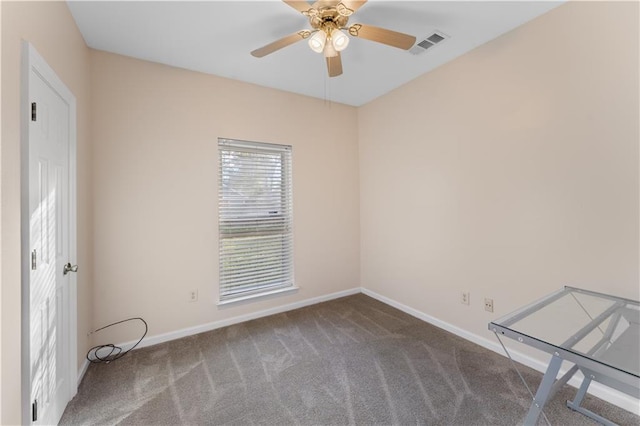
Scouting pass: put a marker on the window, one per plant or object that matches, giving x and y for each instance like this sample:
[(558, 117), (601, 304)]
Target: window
[(255, 219)]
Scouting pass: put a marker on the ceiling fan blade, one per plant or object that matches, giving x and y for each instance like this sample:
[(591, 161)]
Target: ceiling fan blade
[(279, 44), (353, 4), (382, 35), (300, 6), (324, 3), (334, 65)]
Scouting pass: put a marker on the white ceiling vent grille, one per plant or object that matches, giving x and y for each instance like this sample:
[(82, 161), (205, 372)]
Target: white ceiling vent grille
[(427, 43)]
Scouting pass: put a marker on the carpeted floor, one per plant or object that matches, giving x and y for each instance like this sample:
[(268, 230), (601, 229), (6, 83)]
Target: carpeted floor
[(352, 360)]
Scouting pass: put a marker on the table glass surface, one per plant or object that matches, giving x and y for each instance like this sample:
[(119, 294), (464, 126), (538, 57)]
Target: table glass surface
[(601, 327)]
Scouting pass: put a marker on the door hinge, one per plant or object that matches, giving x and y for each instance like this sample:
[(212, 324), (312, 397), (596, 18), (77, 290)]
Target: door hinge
[(33, 111), (34, 410), (33, 260)]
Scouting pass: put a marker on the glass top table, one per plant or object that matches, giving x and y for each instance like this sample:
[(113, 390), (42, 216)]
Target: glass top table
[(598, 333)]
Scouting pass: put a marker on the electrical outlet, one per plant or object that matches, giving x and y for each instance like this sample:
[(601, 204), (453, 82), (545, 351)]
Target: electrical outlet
[(464, 298), (193, 296), (488, 305)]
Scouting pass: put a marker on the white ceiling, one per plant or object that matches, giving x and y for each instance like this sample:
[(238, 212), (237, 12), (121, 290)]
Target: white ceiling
[(215, 37)]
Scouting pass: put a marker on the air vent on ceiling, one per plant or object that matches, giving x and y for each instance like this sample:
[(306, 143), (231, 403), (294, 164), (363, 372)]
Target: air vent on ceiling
[(427, 43)]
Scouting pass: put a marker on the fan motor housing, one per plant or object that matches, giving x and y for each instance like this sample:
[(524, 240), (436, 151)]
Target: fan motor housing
[(328, 16)]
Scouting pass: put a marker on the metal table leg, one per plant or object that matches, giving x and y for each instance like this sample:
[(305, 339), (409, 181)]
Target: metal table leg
[(581, 392), (575, 404), (544, 391)]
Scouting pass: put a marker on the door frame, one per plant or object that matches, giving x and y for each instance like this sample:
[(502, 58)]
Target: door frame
[(32, 60)]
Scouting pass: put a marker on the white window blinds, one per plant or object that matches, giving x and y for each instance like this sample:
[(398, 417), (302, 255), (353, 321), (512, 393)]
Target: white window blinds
[(255, 218)]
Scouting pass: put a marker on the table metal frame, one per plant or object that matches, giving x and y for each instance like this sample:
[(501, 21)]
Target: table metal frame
[(592, 369)]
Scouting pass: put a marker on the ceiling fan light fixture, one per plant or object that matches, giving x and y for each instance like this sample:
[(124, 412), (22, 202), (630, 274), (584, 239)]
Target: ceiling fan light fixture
[(318, 41), (339, 40), (329, 51)]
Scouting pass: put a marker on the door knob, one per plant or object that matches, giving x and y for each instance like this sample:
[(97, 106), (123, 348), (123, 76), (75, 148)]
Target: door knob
[(69, 268)]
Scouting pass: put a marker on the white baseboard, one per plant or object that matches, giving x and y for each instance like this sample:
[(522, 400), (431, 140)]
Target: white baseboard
[(83, 370), (173, 335), (619, 399)]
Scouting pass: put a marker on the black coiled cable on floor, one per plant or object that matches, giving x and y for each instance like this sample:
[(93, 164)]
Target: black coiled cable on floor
[(115, 352)]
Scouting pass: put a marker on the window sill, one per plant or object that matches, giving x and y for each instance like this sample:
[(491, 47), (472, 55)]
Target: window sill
[(252, 297)]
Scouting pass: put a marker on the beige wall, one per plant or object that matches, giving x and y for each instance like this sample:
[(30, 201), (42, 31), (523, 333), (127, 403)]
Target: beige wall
[(1, 236), (51, 29), (1, 239), (155, 131), (508, 172)]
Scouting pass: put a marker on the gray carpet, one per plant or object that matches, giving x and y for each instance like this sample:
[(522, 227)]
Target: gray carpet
[(352, 360)]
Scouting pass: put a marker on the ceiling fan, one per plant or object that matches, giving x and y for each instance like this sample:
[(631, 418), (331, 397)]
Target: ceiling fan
[(329, 19)]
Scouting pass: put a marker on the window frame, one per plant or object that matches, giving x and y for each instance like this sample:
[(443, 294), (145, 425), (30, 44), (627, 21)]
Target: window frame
[(232, 214)]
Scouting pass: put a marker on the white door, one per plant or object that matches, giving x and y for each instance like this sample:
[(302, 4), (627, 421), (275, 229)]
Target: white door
[(50, 242)]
